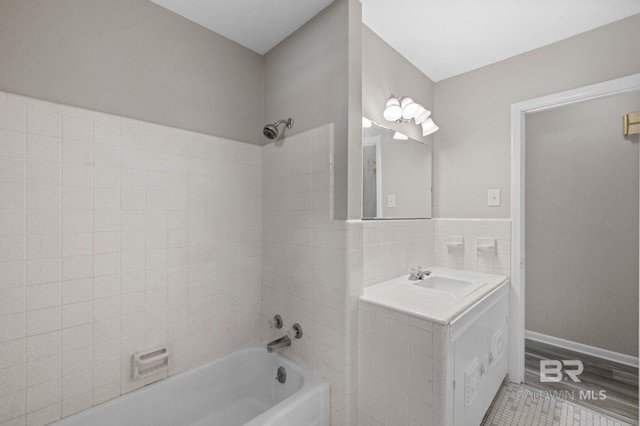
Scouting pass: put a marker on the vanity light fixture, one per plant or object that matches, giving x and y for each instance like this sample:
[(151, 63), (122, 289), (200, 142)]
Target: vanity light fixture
[(404, 109), (366, 123)]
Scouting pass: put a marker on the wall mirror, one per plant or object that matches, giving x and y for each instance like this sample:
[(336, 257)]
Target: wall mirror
[(396, 174)]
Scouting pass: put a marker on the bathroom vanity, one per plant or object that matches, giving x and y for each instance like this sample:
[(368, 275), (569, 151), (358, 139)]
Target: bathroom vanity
[(433, 351)]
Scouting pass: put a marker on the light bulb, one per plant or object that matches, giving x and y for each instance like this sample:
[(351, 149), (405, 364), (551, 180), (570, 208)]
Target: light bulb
[(400, 136), (428, 127), (409, 108), (422, 115), (392, 111)]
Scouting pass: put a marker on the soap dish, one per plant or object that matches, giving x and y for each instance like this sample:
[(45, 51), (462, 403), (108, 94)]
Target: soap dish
[(486, 245), (455, 243), (150, 362)]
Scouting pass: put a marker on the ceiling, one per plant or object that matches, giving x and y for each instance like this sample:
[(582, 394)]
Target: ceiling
[(256, 24), (442, 38)]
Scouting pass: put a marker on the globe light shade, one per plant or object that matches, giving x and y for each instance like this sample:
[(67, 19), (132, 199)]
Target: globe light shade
[(422, 115), (409, 108), (400, 136), (366, 123), (428, 127), (392, 111)]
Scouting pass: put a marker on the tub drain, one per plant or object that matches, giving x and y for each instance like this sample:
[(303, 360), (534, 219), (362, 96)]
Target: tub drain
[(281, 375)]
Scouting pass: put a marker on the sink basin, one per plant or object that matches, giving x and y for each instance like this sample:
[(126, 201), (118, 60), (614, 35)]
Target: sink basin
[(450, 286)]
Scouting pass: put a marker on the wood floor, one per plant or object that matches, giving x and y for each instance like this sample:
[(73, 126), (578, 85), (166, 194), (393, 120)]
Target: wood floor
[(620, 382)]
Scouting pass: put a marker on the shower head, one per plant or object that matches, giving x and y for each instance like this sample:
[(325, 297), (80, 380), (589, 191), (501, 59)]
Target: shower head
[(271, 130)]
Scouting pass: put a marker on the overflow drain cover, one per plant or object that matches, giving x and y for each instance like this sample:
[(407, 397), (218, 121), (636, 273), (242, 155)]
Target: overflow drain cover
[(281, 375)]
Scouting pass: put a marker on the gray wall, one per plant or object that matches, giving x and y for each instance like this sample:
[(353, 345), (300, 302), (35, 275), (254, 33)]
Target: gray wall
[(309, 76), (473, 146), (131, 58), (582, 224)]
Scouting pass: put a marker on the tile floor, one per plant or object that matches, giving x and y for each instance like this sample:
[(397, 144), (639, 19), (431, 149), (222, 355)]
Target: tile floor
[(521, 405)]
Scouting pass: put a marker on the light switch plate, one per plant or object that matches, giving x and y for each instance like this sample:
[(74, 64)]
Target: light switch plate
[(493, 198), (391, 200)]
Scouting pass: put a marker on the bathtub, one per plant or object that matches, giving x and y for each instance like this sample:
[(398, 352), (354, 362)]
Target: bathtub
[(238, 389)]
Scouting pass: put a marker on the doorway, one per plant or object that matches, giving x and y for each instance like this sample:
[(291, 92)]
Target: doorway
[(519, 112), (581, 240)]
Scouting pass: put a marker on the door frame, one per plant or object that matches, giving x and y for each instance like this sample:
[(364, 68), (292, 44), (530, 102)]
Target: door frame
[(518, 111)]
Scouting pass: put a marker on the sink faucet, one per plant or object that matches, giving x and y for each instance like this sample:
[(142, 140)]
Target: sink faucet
[(278, 343), (417, 273)]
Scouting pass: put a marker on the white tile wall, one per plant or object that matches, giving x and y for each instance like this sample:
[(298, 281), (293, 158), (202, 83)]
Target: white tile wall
[(469, 257), (398, 376), (391, 247), (312, 265), (117, 235)]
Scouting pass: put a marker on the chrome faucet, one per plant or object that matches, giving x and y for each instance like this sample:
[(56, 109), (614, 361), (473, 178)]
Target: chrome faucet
[(417, 273), (278, 343)]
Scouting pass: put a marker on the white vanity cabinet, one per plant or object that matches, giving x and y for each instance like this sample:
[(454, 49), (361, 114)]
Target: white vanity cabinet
[(477, 358), (431, 358)]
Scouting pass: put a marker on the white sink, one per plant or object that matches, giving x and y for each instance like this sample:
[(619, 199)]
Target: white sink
[(451, 286)]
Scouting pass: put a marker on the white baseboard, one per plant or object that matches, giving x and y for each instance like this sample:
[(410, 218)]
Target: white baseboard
[(582, 348)]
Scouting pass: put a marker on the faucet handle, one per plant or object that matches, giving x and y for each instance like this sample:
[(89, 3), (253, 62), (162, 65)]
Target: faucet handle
[(295, 331), (276, 322)]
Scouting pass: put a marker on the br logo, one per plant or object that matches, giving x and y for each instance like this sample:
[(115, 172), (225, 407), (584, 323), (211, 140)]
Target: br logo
[(551, 370)]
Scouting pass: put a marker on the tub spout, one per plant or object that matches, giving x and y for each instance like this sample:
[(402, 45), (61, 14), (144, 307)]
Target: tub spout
[(278, 343)]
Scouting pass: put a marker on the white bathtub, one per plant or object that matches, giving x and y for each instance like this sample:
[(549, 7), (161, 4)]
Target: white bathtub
[(238, 389)]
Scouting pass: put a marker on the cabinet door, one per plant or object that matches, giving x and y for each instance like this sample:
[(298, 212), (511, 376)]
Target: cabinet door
[(480, 361)]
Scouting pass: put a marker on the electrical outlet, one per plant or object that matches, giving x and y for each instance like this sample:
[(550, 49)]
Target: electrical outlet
[(493, 198)]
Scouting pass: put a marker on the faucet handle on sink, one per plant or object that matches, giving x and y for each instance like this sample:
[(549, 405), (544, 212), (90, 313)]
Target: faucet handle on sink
[(419, 273), (415, 272)]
